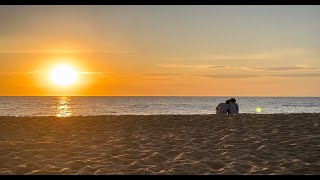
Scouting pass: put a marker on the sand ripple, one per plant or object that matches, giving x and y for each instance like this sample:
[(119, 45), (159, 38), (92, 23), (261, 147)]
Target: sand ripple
[(161, 144)]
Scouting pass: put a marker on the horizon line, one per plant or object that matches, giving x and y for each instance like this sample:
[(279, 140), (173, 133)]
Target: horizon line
[(143, 96)]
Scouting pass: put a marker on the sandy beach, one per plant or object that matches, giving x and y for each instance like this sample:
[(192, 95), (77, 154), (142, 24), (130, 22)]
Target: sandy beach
[(161, 144)]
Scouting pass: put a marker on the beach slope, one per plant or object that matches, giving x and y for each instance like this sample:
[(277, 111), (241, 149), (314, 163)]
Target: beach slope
[(161, 144)]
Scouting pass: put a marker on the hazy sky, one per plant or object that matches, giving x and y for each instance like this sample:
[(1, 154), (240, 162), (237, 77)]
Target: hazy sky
[(162, 50)]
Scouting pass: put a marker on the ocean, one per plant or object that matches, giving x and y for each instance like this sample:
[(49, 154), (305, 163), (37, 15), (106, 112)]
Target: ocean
[(148, 105)]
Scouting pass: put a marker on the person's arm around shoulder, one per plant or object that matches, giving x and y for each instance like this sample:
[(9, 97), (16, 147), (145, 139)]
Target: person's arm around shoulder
[(218, 106)]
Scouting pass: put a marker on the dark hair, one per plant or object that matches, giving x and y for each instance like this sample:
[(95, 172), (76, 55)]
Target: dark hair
[(233, 100), (227, 101)]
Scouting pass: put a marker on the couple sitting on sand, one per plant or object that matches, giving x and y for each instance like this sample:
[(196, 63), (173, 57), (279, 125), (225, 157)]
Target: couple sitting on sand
[(230, 107)]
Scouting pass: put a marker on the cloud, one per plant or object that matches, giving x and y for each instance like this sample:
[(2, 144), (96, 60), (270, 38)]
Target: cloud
[(57, 51), (317, 74), (228, 76), (297, 75), (285, 53), (303, 70), (92, 73), (271, 54), (99, 74), (288, 68), (162, 74), (6, 72), (155, 78), (194, 66), (208, 66), (33, 71)]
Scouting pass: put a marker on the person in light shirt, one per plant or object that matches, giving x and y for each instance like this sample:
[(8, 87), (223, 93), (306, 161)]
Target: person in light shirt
[(223, 108)]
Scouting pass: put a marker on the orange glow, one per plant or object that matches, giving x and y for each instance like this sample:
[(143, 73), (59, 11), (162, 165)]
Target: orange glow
[(114, 51)]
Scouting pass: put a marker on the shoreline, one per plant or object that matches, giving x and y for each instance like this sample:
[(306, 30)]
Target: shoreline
[(150, 115)]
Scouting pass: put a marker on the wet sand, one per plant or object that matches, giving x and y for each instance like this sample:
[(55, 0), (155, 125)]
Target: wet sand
[(161, 144)]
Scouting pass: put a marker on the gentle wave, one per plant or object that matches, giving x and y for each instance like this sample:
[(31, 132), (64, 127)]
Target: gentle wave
[(153, 105)]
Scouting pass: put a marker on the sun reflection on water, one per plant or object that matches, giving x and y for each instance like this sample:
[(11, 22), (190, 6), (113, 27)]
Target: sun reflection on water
[(63, 108)]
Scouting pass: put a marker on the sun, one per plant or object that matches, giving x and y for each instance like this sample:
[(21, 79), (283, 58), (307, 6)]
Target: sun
[(64, 75)]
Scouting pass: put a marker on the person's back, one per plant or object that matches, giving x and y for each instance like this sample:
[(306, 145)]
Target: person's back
[(223, 108), (233, 107)]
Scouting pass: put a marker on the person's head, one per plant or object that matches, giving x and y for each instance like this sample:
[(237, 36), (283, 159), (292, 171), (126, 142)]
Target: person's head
[(227, 101), (233, 100)]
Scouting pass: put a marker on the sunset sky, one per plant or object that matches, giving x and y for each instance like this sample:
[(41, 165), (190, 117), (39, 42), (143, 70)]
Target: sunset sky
[(161, 50)]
